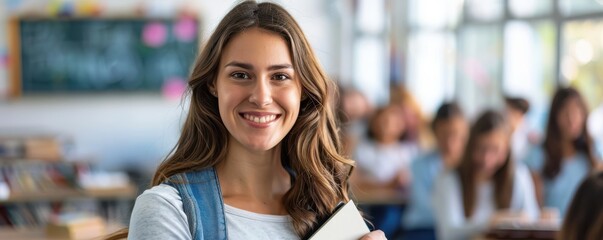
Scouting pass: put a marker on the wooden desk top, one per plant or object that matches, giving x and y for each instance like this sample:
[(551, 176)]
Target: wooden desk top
[(536, 232), (379, 196)]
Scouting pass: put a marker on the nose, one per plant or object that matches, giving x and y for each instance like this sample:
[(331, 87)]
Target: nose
[(261, 95)]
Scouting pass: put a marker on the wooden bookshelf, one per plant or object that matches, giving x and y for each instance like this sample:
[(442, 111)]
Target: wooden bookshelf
[(128, 193)]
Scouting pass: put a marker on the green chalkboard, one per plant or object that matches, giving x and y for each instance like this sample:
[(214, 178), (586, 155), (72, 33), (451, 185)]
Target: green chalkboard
[(100, 55)]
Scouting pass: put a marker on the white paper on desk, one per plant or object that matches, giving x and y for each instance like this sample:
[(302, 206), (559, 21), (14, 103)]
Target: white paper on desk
[(345, 224)]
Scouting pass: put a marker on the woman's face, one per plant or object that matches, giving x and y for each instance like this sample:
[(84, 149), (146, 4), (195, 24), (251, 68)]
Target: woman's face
[(571, 119), (491, 151), (258, 91)]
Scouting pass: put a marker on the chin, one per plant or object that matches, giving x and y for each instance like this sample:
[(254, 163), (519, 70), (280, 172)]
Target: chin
[(258, 146)]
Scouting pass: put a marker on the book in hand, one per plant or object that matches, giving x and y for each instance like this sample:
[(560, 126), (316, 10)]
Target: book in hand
[(345, 223)]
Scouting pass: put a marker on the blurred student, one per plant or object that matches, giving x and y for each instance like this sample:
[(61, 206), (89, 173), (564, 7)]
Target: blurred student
[(568, 153), (417, 127), (584, 218), (354, 111), (450, 129), (516, 109), (382, 159), (486, 187), (383, 162)]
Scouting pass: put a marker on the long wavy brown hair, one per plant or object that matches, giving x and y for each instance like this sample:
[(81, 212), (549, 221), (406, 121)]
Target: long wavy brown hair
[(585, 214), (488, 122), (312, 148), (553, 139)]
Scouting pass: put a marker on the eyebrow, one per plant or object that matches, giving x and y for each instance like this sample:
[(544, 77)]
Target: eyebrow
[(250, 67)]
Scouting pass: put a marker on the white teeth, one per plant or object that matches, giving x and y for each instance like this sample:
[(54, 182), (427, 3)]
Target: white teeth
[(263, 119)]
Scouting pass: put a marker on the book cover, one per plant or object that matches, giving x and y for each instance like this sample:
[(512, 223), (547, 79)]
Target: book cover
[(345, 224)]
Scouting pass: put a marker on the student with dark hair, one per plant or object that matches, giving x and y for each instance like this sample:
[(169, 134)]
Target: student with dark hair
[(516, 110), (486, 186), (450, 129), (584, 218), (567, 154)]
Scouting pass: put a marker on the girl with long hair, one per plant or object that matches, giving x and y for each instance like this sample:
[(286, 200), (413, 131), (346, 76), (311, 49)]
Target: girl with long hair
[(486, 186), (259, 155), (568, 153)]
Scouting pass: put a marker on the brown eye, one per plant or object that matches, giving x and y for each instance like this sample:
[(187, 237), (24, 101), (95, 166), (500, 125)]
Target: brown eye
[(240, 75), (280, 77)]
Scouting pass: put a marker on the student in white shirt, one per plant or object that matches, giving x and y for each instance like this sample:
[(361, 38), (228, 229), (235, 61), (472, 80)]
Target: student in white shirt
[(486, 187), (383, 162)]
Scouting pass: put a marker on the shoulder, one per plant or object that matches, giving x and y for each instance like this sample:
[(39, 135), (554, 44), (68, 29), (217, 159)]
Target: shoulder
[(448, 179), (535, 158), (424, 161), (161, 192), (158, 214), (160, 196)]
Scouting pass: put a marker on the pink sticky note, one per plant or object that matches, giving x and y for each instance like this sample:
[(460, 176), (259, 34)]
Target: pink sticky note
[(185, 29), (154, 34), (173, 88)]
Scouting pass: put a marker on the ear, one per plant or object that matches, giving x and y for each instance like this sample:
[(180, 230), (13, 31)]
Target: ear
[(212, 89)]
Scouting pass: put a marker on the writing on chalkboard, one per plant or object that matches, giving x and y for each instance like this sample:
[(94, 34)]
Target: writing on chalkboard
[(95, 55)]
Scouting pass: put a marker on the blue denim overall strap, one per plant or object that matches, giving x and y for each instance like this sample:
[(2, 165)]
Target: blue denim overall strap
[(202, 203)]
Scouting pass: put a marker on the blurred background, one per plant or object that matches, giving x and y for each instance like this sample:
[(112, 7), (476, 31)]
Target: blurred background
[(92, 90)]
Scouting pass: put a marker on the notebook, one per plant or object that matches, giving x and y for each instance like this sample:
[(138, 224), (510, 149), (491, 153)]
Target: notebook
[(345, 224)]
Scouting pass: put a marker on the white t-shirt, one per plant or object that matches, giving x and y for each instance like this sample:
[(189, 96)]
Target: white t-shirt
[(384, 162), (158, 214), (520, 144)]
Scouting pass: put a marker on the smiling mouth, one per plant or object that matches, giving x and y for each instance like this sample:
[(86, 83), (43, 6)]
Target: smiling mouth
[(260, 119)]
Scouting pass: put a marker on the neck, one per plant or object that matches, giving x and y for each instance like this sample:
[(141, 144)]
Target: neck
[(568, 148), (448, 160), (253, 180), (483, 177)]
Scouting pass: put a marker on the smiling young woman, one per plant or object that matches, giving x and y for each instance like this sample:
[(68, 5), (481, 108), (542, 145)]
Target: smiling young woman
[(259, 156)]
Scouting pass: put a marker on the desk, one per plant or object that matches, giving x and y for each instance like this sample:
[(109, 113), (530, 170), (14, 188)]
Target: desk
[(527, 232), (379, 196)]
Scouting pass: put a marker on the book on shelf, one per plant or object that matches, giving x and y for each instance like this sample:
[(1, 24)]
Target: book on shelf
[(40, 147)]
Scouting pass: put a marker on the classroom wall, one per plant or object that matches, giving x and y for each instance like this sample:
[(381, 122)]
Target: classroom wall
[(120, 130)]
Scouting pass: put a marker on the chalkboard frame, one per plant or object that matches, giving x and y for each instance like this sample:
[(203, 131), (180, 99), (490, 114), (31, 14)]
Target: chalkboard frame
[(15, 67)]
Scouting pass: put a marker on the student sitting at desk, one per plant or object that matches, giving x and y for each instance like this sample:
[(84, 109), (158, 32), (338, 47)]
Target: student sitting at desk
[(486, 186), (450, 129), (383, 163), (568, 153)]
